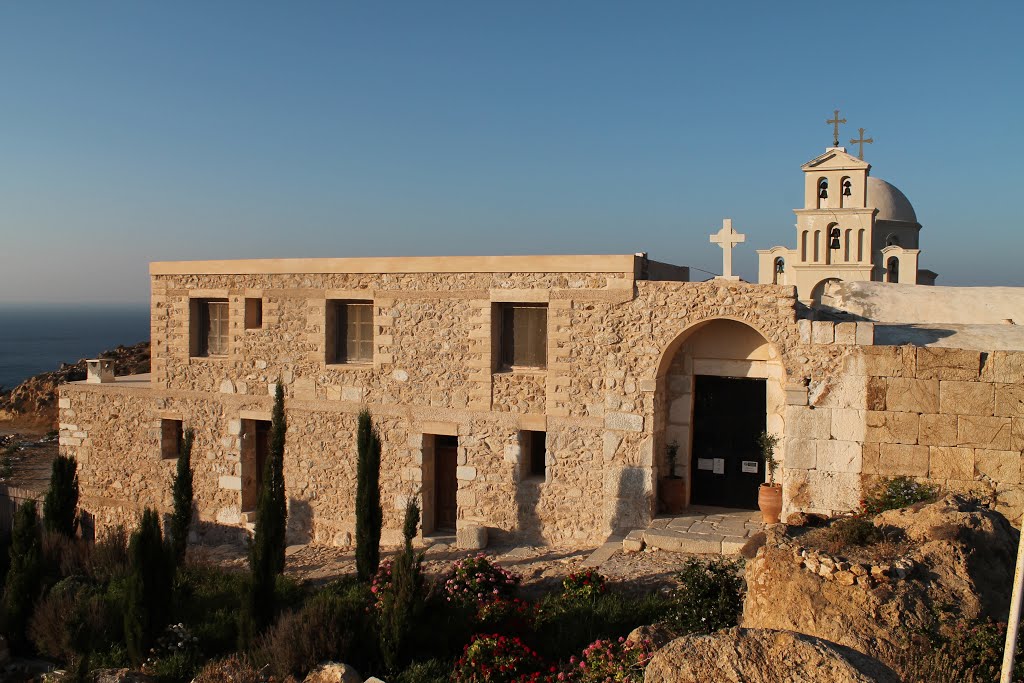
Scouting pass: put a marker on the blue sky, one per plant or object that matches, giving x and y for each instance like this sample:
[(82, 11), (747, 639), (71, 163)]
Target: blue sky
[(133, 132)]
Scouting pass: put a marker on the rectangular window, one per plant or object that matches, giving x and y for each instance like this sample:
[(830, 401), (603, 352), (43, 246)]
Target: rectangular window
[(253, 313), (524, 335), (170, 438), (533, 454), (208, 327), (350, 332)]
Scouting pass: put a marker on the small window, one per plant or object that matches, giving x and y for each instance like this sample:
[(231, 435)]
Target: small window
[(170, 438), (533, 447), (524, 335), (253, 313), (350, 332), (208, 327), (892, 269)]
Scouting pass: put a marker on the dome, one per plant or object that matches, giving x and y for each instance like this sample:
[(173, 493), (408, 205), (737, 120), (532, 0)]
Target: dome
[(892, 204)]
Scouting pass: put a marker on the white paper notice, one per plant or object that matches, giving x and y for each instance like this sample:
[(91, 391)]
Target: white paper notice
[(705, 464), (719, 466), (750, 466)]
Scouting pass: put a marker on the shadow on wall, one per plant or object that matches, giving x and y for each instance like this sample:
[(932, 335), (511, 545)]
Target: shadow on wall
[(528, 523), (632, 501), (300, 522), (898, 335)]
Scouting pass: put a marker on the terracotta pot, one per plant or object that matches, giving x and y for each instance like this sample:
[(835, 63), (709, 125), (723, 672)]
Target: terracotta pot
[(673, 494), (769, 500)]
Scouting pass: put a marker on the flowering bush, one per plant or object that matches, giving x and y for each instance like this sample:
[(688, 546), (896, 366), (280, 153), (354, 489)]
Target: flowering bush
[(475, 580), (496, 658), (176, 655), (709, 596), (584, 585), (611, 661), (895, 493), (504, 615), (381, 583)]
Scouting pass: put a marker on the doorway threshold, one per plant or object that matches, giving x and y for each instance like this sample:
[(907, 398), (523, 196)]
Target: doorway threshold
[(700, 529)]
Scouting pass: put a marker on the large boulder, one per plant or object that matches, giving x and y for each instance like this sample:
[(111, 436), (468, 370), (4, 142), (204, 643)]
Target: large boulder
[(333, 672), (741, 655), (962, 554)]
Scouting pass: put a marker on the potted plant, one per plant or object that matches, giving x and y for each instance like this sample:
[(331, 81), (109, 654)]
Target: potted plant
[(769, 495), (673, 487)]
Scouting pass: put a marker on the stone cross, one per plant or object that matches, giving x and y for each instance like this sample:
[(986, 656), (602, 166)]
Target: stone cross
[(863, 141), (727, 238), (835, 128)]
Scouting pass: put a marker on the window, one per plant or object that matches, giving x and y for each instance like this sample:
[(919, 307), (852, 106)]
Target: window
[(253, 313), (170, 438), (524, 335), (208, 327), (892, 269), (350, 332), (534, 453)]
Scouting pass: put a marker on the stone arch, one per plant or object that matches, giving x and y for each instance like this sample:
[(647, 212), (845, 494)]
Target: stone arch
[(819, 289), (731, 352)]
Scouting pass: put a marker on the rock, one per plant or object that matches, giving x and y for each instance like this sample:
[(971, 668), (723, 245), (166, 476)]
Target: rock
[(741, 655), (964, 556), (471, 537), (657, 634), (121, 676), (806, 519), (333, 672)]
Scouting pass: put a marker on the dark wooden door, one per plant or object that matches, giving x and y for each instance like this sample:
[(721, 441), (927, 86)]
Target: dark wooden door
[(445, 483), (728, 415)]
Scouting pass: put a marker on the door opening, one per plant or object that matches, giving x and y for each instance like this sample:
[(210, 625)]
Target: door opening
[(446, 484), (255, 448)]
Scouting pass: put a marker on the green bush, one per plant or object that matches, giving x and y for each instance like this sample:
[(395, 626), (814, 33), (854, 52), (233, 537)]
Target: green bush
[(73, 620), (402, 598), (850, 532), (430, 671), (181, 519), (60, 507), (208, 600), (709, 596), (22, 587), (369, 515), (148, 589), (895, 493)]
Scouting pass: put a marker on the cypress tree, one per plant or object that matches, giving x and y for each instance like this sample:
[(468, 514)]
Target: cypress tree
[(402, 601), (369, 515), (60, 507), (23, 578), (181, 519), (266, 557), (149, 586)]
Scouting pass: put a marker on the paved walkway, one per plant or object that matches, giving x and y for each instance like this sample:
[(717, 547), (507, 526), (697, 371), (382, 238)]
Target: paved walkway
[(700, 529)]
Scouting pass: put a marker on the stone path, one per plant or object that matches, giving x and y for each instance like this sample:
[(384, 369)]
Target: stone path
[(700, 530)]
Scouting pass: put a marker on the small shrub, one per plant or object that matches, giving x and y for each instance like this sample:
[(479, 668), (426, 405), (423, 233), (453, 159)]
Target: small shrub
[(60, 507), (72, 620), (584, 585), (611, 660), (508, 616), (181, 520), (709, 596), (430, 671), (850, 531), (109, 556), (176, 657), (208, 599), (402, 600), (233, 669), (22, 587), (475, 580), (495, 658), (148, 589), (369, 515), (895, 493)]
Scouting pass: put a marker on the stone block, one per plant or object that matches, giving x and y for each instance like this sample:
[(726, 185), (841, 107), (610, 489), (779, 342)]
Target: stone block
[(938, 430), (808, 423), (680, 410), (950, 462), (634, 541), (1006, 367), (833, 491), (612, 441), (354, 394), (471, 537), (865, 334), (848, 424), (465, 473), (1009, 400), (227, 387), (888, 427), (897, 459), (796, 394), (884, 361), (999, 466), (625, 422), (838, 456), (823, 332), (907, 395), (1017, 434), (804, 327), (632, 483), (845, 391), (940, 363), (983, 432), (846, 333), (230, 483), (1010, 501), (800, 454), (870, 458), (966, 398), (874, 393)]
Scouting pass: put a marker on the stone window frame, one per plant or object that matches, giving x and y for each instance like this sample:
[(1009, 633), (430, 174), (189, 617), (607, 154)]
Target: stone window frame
[(332, 332), (199, 324)]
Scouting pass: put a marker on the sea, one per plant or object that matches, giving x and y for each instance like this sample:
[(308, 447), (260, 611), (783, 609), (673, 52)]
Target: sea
[(36, 339)]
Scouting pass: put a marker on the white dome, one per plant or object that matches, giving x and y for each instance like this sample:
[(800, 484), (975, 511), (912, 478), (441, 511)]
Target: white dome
[(892, 204)]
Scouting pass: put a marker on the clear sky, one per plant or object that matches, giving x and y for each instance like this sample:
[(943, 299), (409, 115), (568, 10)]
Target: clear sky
[(140, 131)]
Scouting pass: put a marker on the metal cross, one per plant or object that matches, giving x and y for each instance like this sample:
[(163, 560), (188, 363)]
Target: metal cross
[(863, 141), (835, 127), (727, 238)]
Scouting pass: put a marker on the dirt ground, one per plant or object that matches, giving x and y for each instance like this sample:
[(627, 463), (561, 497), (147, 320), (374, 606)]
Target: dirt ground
[(35, 447)]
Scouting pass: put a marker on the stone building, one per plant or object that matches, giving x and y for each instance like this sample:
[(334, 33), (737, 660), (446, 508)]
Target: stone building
[(535, 396)]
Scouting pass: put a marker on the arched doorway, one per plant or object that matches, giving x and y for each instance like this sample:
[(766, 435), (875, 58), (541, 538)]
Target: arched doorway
[(721, 385)]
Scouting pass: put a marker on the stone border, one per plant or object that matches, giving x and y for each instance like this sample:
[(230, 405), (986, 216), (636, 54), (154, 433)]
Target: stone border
[(845, 573)]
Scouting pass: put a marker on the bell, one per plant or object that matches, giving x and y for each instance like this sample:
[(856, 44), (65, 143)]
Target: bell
[(834, 244), (846, 189), (823, 194)]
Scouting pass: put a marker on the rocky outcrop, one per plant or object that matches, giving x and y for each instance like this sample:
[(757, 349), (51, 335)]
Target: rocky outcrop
[(333, 672), (762, 656), (963, 555), (36, 397)]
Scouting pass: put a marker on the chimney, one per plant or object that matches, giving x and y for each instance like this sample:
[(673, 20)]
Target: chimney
[(99, 370)]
